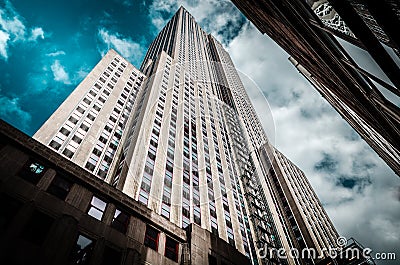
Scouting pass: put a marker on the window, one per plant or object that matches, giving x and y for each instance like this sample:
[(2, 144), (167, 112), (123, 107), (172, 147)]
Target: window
[(32, 172), (82, 251), (151, 238), (68, 153), (73, 120), (76, 139), (171, 249), (84, 127), (55, 145), (120, 221), (90, 166), (36, 229), (97, 208), (91, 116), (60, 187)]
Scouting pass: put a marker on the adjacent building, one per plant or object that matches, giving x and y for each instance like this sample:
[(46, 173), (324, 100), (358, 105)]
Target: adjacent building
[(181, 138), (304, 29), (88, 126)]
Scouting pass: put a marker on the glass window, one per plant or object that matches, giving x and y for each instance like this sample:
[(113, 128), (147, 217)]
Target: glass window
[(151, 238), (76, 139), (55, 145), (171, 249), (60, 187), (90, 166), (97, 208), (82, 251), (120, 221), (32, 172), (68, 153)]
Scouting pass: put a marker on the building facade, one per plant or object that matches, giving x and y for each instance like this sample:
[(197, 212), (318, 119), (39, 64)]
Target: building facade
[(186, 143), (88, 126)]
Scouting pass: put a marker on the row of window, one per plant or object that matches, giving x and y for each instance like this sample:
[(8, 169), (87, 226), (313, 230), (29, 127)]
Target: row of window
[(103, 153), (145, 186)]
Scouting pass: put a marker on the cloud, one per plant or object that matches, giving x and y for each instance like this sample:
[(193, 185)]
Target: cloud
[(11, 111), (11, 22), (358, 190), (13, 30), (59, 73), (36, 33), (4, 37), (130, 50), (54, 54)]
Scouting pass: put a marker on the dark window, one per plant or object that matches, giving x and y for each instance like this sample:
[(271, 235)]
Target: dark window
[(82, 251), (55, 145), (212, 260), (60, 187), (8, 209), (84, 127), (35, 231), (73, 120), (91, 117), (68, 153), (32, 172), (76, 139), (171, 249), (120, 221), (151, 238), (111, 256), (90, 166)]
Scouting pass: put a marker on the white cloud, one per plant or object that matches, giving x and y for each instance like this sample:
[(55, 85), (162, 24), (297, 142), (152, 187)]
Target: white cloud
[(13, 30), (4, 37), (129, 49), (36, 33), (11, 111), (11, 22), (59, 73), (54, 54)]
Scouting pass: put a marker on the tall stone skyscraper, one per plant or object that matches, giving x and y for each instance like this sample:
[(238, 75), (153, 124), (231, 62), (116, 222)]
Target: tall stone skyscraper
[(182, 137)]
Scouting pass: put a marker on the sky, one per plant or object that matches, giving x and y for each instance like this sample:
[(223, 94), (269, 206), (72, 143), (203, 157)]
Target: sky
[(48, 47)]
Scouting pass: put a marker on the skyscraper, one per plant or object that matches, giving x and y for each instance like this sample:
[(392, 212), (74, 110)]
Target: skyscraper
[(182, 137)]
